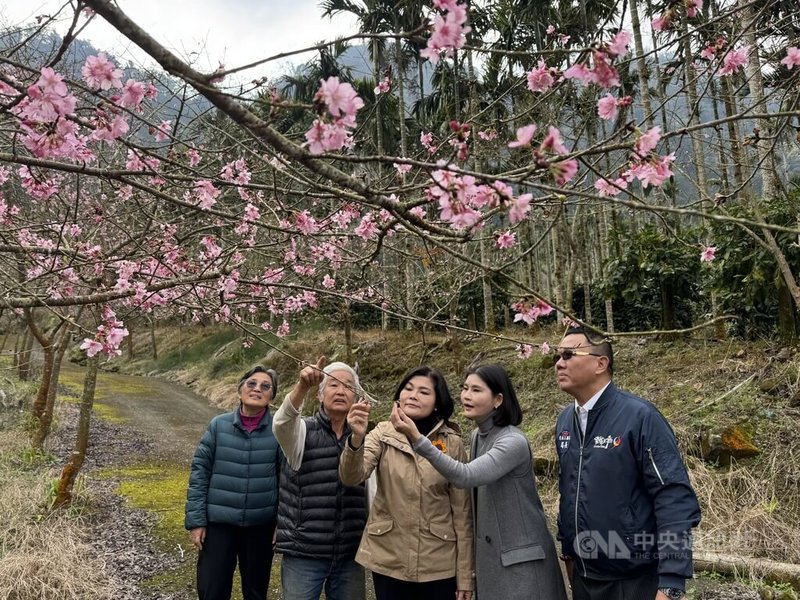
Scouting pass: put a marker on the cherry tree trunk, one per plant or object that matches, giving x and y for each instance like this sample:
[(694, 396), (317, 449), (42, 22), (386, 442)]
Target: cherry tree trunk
[(46, 420), (75, 462)]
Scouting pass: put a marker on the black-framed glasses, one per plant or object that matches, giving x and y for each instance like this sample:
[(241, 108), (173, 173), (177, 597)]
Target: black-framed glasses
[(569, 353), (253, 384)]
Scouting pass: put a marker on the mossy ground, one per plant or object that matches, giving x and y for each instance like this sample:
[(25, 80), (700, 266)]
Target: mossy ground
[(160, 489)]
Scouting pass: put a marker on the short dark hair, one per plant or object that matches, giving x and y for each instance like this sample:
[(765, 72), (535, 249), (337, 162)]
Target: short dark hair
[(260, 369), (498, 381), (597, 341), (444, 401)]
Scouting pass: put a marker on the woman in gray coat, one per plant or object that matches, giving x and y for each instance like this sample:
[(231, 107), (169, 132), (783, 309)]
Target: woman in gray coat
[(515, 557)]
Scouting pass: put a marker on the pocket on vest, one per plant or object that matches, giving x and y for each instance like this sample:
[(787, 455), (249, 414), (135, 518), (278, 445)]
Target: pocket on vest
[(521, 554)]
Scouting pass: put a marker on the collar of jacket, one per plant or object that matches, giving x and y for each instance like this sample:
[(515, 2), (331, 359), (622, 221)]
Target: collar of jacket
[(400, 441), (604, 398), (265, 420), (325, 420)]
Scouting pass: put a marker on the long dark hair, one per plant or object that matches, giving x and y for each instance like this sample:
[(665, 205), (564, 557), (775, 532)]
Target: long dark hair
[(498, 381), (443, 408)]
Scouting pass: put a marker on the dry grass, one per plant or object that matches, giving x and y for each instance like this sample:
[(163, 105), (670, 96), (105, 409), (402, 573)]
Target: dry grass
[(747, 511), (43, 556)]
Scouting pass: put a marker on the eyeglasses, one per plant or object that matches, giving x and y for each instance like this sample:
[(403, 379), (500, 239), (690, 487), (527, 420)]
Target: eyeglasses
[(569, 353), (253, 384)]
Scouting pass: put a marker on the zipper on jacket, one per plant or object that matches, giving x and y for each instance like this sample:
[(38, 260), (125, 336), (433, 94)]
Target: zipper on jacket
[(652, 460), (578, 489)]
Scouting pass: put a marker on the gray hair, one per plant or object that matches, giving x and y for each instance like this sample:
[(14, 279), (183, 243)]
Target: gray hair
[(340, 366)]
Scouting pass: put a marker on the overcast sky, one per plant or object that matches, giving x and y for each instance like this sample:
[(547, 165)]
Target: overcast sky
[(234, 32)]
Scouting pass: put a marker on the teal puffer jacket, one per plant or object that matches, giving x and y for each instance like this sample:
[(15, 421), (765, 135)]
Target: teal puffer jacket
[(234, 476)]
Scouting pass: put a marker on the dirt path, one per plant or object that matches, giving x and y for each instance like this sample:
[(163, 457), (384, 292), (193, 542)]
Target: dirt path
[(143, 436), (172, 416)]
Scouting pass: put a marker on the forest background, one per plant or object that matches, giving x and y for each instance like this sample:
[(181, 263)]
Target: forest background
[(504, 169)]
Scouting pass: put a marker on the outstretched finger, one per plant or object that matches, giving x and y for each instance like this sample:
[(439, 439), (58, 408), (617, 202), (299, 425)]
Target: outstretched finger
[(321, 362)]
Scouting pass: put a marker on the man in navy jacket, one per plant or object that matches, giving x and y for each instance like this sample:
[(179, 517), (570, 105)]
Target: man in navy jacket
[(627, 507)]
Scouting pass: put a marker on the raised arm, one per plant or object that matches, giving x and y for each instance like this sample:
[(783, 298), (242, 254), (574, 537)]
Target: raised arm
[(287, 426), (508, 453), (357, 464)]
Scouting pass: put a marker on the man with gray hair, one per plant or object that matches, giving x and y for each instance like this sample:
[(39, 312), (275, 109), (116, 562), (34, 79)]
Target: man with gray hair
[(320, 520)]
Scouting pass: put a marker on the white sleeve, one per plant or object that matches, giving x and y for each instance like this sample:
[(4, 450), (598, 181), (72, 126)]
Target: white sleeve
[(290, 431)]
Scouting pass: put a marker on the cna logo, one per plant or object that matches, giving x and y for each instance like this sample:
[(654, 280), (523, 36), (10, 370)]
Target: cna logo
[(591, 544), (607, 442)]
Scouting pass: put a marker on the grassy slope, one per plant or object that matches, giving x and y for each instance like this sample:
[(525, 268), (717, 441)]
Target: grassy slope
[(751, 508)]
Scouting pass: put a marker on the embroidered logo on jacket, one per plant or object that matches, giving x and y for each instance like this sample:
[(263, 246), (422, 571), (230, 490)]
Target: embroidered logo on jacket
[(607, 442), (563, 440)]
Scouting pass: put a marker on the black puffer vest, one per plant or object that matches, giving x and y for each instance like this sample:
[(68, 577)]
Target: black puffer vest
[(318, 517)]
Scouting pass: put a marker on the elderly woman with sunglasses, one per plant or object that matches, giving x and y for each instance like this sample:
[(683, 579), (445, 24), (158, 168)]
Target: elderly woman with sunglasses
[(232, 500)]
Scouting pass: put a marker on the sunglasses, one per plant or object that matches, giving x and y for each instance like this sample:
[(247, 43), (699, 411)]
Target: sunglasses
[(253, 384), (567, 354)]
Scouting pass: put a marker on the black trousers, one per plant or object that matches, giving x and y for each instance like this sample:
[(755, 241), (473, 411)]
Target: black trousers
[(388, 588), (643, 587), (226, 545)]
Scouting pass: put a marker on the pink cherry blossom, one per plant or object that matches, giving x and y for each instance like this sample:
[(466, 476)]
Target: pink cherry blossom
[(524, 136), (580, 72), (528, 313), (524, 351), (553, 142), (367, 229), (607, 108), (693, 7), (205, 193), (618, 46), (426, 139), (306, 223), (792, 58), (162, 132), (194, 157), (709, 52), (539, 78), (328, 282), (507, 239), (663, 22), (251, 212), (519, 208), (605, 75), (47, 99), (648, 141), (401, 168), (564, 171), (607, 188), (132, 94), (91, 346), (707, 253), (734, 60), (99, 72), (544, 348), (383, 86), (449, 31), (340, 98)]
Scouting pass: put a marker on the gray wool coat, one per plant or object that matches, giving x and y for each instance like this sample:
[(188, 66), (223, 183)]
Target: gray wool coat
[(515, 556)]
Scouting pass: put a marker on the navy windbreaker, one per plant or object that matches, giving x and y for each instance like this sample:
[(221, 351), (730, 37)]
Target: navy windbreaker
[(627, 507)]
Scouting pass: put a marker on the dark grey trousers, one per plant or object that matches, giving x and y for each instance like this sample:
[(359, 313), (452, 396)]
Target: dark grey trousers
[(643, 587)]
